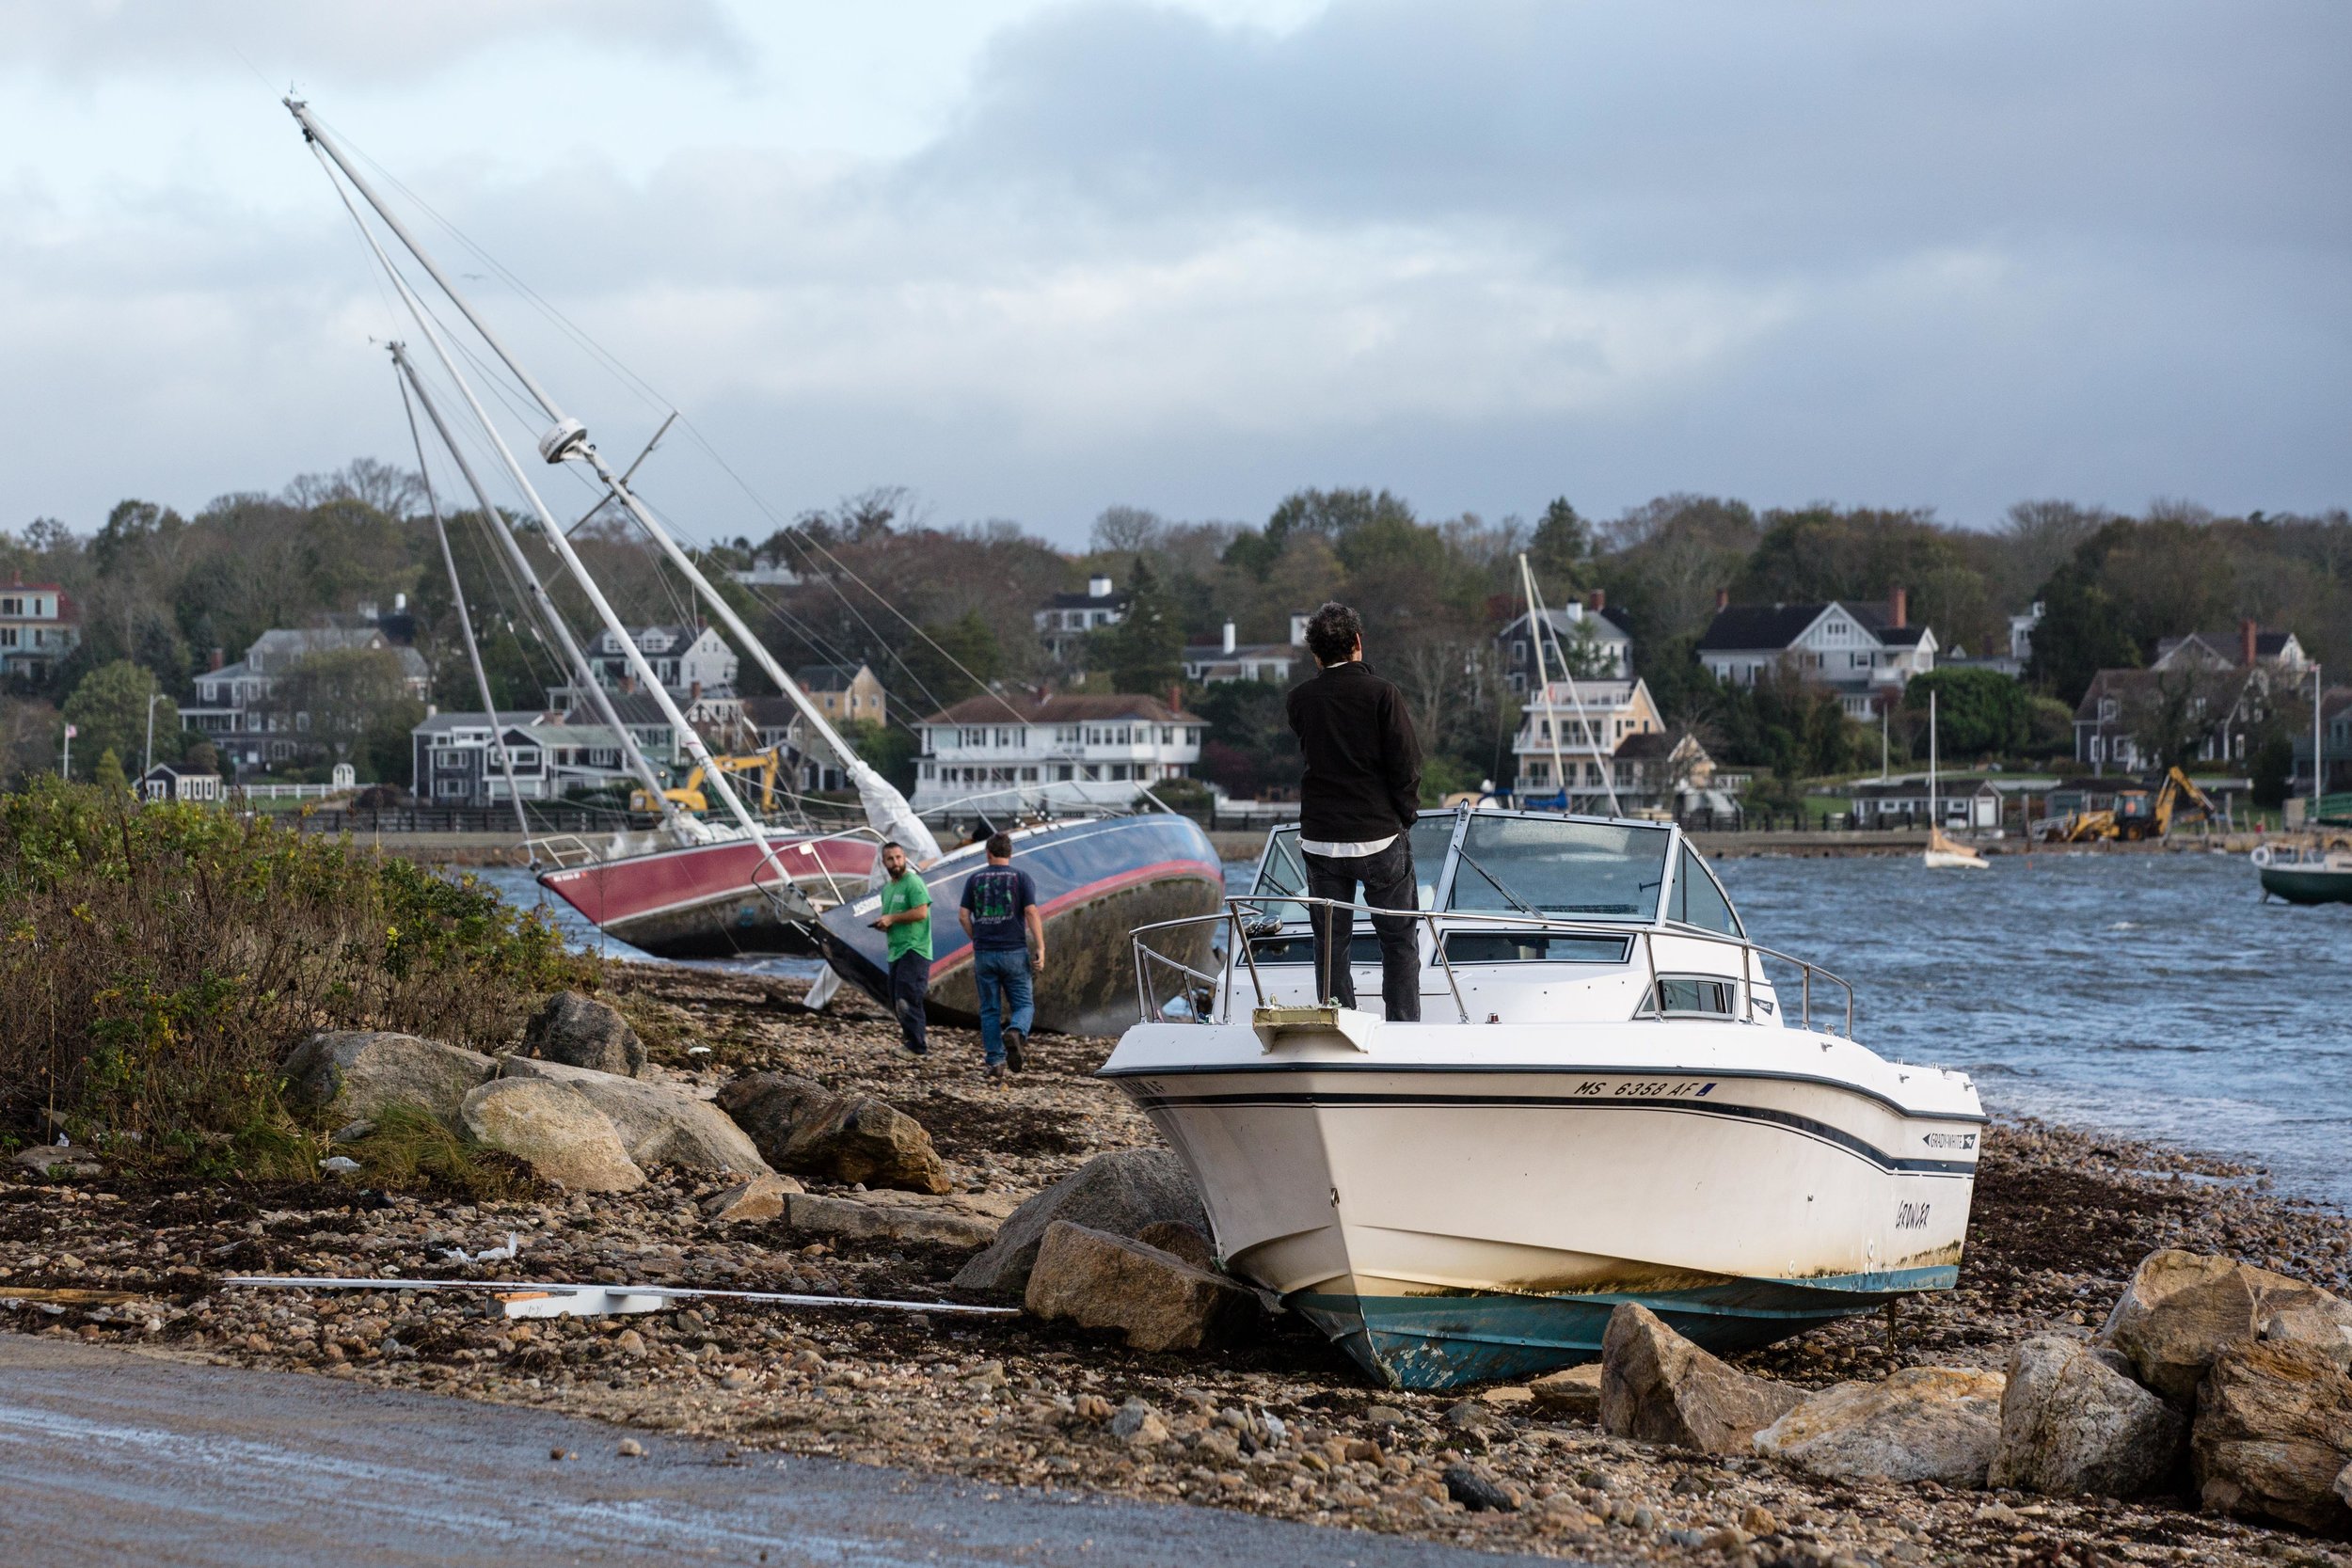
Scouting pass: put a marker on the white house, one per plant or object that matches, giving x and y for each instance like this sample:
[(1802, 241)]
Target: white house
[(1582, 632), (1229, 659), (684, 658), (1865, 653), (1003, 753), (38, 626), (1583, 724), (167, 782), (1064, 619), (2250, 646)]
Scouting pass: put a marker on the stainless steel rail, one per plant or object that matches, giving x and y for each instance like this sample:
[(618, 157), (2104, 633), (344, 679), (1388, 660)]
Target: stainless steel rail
[(1148, 962)]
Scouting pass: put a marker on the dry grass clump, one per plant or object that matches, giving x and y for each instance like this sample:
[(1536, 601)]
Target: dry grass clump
[(409, 1151), (156, 961)]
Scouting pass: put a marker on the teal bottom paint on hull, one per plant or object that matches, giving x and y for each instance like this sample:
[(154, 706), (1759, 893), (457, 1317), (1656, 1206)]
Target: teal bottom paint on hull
[(1443, 1341), (2297, 885)]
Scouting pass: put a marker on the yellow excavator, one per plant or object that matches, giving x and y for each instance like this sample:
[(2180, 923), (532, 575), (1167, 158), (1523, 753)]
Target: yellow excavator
[(2137, 813), (763, 769)]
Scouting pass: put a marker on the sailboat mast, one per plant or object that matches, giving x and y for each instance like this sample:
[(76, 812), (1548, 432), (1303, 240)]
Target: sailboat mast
[(1543, 683), (1539, 621), (583, 673), (1935, 823), (568, 439), (2319, 754), (713, 777), (465, 617)]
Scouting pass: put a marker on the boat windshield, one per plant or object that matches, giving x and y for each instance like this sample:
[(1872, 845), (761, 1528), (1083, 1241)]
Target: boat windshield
[(1604, 870), (1281, 872)]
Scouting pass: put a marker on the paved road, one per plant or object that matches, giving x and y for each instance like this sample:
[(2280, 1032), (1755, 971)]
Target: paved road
[(107, 1457)]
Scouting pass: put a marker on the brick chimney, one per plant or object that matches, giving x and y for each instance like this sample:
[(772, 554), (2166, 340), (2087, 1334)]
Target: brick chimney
[(2247, 634), (214, 659), (1598, 600), (693, 693), (1723, 600), (1176, 697), (1898, 609)]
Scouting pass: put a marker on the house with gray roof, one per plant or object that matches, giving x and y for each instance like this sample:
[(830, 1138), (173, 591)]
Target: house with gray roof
[(1865, 653)]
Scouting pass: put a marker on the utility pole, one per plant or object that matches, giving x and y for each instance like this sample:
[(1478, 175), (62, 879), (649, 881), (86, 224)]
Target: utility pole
[(65, 768), (147, 765)]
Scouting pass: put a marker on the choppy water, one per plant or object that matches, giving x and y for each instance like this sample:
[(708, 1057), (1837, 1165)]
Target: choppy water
[(2150, 994), (2153, 995)]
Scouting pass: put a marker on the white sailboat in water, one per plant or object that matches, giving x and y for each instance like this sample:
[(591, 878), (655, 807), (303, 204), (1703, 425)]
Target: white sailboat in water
[(1944, 853)]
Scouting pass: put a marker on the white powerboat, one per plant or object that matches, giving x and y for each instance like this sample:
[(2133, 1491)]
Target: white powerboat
[(1608, 1099)]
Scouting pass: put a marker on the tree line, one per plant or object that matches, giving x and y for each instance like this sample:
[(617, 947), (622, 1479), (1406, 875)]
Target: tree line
[(941, 611)]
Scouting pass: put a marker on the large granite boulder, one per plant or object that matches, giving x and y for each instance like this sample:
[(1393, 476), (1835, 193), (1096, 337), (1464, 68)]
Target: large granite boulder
[(560, 1135), (1658, 1388), (577, 1030), (1924, 1423), (802, 1127), (2273, 1435), (2183, 1309), (350, 1075), (1155, 1299), (658, 1124), (1121, 1192), (2073, 1421)]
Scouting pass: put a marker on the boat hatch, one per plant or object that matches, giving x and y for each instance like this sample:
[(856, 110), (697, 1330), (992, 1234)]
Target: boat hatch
[(1499, 948), (1598, 870)]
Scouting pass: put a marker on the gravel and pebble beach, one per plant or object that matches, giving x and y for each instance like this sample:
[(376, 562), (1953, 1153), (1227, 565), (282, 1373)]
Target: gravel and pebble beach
[(1286, 1427)]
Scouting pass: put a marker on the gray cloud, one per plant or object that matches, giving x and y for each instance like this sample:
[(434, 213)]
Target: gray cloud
[(357, 41), (1484, 254)]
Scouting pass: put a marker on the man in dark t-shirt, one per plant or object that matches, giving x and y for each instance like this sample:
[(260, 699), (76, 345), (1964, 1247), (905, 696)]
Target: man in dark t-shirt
[(1000, 915)]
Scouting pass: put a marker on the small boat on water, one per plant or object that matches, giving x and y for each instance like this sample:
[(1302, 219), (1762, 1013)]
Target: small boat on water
[(1609, 1099), (2309, 876), (1944, 853)]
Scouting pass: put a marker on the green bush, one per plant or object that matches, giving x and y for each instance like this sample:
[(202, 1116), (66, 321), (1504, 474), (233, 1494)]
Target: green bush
[(157, 963)]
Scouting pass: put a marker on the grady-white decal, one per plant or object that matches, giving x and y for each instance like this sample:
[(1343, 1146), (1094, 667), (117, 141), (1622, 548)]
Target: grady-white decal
[(1950, 1140)]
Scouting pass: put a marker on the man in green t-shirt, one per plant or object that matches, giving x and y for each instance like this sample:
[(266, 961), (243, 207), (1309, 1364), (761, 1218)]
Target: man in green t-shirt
[(906, 917)]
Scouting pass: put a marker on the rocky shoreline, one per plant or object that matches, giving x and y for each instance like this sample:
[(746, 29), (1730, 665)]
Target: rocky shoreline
[(1280, 1424)]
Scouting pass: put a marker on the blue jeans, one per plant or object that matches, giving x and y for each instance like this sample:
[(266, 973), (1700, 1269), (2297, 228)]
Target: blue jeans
[(1007, 968)]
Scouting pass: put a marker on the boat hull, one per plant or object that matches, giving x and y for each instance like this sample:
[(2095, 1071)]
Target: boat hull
[(1096, 881), (709, 900), (2308, 884), (1453, 1224)]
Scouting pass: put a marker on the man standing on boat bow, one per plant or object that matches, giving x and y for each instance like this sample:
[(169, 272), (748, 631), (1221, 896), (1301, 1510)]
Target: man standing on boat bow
[(1356, 804)]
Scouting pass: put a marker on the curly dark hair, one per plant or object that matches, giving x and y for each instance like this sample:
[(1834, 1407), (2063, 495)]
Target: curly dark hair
[(1332, 633)]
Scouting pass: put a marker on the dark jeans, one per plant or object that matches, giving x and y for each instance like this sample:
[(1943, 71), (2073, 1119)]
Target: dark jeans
[(1387, 883), (909, 982), (1006, 999)]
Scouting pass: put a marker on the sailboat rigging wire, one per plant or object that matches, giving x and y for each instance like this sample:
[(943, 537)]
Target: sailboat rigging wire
[(644, 671), (638, 384), (499, 748)]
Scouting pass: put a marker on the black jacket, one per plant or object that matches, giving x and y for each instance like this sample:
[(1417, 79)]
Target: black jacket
[(1363, 766)]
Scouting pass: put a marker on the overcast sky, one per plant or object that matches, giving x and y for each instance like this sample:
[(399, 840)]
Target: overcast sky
[(1031, 259)]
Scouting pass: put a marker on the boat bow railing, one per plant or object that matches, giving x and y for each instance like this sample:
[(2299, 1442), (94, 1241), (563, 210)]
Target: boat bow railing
[(1169, 989)]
